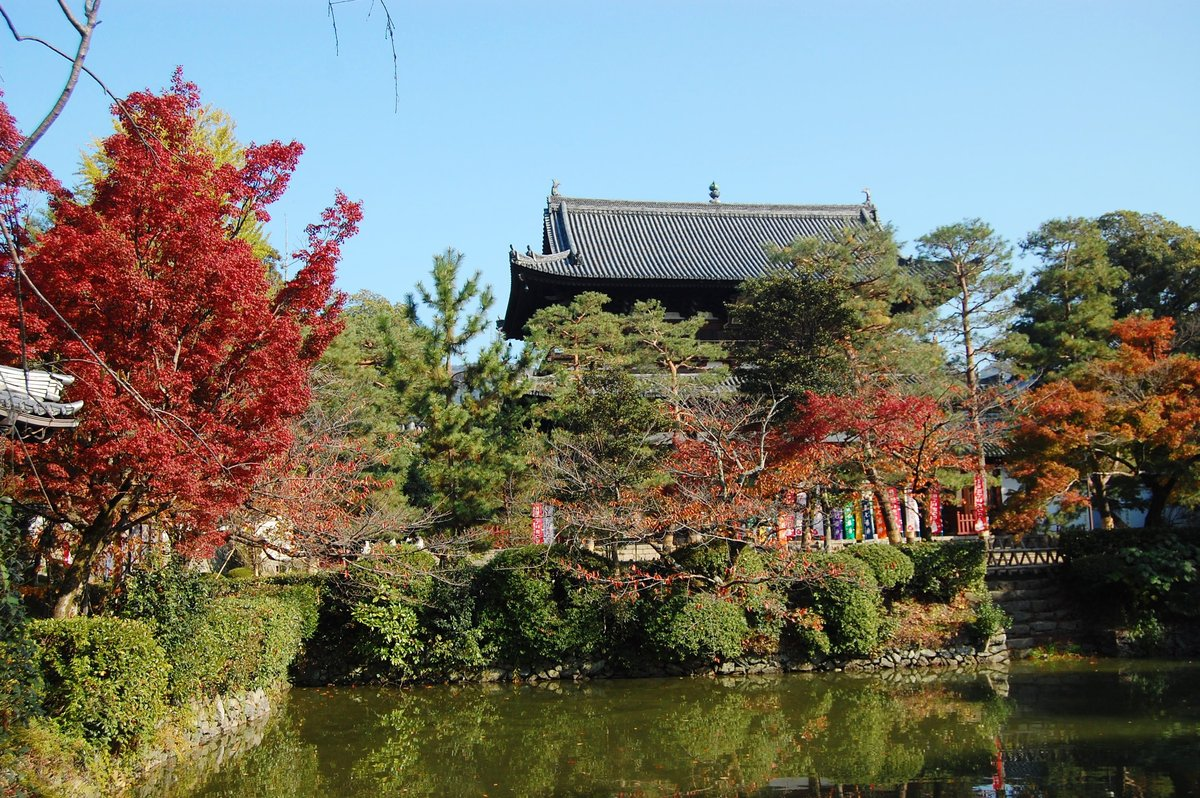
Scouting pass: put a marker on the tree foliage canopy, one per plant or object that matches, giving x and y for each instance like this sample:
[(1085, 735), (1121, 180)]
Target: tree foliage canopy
[(191, 364)]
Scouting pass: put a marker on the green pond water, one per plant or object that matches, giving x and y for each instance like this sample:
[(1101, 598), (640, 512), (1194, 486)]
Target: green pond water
[(1088, 729)]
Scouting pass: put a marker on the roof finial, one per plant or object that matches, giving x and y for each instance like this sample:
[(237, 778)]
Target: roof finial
[(554, 188), (867, 191), (714, 192)]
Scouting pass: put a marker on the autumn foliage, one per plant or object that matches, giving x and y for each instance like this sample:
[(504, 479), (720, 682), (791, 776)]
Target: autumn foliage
[(1123, 431), (190, 362)]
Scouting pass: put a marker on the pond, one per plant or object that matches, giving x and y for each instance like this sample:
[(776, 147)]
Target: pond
[(1088, 729)]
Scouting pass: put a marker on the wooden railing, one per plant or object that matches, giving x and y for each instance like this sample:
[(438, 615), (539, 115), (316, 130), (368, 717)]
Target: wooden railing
[(1004, 554)]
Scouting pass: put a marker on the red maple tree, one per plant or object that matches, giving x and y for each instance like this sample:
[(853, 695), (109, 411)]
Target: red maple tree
[(878, 436), (190, 362)]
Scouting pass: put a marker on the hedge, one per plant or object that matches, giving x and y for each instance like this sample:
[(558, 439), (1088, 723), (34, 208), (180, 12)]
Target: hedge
[(690, 626), (944, 570), (244, 642), (891, 567), (842, 590), (105, 679)]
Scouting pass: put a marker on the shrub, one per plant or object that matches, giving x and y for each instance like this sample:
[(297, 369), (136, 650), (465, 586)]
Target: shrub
[(520, 619), (989, 620), (105, 678), (842, 590), (890, 566), (20, 681), (244, 642), (241, 572), (452, 641), (710, 558), (170, 600), (943, 570), (699, 625), (1139, 574)]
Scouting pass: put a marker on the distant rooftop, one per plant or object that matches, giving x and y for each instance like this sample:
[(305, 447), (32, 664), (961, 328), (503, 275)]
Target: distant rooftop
[(635, 247)]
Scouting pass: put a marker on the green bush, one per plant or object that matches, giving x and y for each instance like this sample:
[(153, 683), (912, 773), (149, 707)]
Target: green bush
[(170, 600), (842, 590), (1138, 574), (710, 558), (105, 679), (891, 567), (20, 680), (241, 572), (944, 570), (520, 618), (989, 620), (697, 626), (451, 638), (244, 642)]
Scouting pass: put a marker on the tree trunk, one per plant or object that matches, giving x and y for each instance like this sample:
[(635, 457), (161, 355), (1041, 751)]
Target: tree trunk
[(1160, 490), (1100, 502), (891, 523), (75, 578)]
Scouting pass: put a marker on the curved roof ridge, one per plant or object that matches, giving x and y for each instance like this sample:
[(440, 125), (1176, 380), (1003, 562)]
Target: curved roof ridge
[(718, 208)]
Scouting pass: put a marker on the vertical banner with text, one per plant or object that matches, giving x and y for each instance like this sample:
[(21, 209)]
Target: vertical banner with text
[(935, 510), (981, 513)]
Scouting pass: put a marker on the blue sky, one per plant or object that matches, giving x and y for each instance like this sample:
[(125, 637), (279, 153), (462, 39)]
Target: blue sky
[(1015, 112)]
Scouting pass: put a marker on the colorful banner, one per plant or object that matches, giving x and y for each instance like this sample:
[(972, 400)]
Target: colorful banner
[(912, 515), (935, 509), (868, 515), (836, 522), (849, 527), (981, 515), (543, 523), (893, 500)]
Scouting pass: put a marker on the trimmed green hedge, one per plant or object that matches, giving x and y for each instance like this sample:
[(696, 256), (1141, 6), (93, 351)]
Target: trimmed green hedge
[(244, 642), (842, 590), (694, 626), (105, 679), (943, 570), (892, 568)]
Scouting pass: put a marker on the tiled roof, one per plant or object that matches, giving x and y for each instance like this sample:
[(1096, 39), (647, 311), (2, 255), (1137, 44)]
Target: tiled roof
[(624, 240)]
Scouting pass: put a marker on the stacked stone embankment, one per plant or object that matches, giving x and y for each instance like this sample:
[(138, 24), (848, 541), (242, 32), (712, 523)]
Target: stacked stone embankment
[(992, 653), (1043, 611)]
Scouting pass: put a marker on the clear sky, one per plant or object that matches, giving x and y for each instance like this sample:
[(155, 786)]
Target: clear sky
[(1015, 112)]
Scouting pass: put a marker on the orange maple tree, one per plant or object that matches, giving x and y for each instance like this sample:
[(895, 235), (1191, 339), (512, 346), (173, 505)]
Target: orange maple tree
[(1122, 432)]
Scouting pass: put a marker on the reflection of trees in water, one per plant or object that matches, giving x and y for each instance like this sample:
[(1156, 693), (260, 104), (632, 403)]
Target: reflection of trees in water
[(282, 765), (662, 737), (709, 737)]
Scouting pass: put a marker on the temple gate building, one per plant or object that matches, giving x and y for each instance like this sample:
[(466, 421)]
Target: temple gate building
[(690, 256)]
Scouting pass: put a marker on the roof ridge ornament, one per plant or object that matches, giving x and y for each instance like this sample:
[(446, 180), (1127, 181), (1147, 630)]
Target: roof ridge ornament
[(867, 201), (714, 193), (554, 188)]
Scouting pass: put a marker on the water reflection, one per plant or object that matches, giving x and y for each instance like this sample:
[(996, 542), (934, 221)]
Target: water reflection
[(1084, 732)]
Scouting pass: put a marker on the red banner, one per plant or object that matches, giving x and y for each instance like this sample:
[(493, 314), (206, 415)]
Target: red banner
[(539, 523), (935, 509), (981, 514)]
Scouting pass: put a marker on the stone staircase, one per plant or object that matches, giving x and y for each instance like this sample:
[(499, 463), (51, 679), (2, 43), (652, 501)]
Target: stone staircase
[(1042, 610)]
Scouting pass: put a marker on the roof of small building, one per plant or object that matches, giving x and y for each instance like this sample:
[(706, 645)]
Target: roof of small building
[(630, 240)]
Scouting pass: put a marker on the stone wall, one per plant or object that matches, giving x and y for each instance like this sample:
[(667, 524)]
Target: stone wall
[(214, 722), (1043, 611), (991, 654)]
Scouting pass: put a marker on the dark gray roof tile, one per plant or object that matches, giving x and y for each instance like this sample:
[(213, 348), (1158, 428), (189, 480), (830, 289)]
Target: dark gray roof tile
[(624, 240)]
